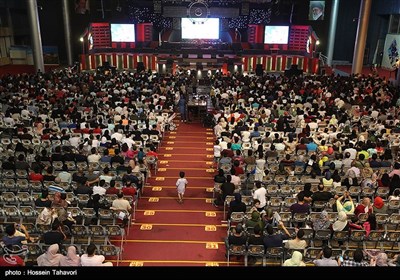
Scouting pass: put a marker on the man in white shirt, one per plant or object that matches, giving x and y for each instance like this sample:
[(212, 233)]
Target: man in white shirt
[(94, 157), (259, 194), (91, 259)]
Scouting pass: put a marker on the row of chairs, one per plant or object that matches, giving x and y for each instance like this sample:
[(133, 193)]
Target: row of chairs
[(277, 255), (34, 250)]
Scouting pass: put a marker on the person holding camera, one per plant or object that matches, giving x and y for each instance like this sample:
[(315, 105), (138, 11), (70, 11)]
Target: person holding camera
[(14, 236)]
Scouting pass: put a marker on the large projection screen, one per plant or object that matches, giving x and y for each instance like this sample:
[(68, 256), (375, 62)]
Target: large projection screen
[(276, 34), (206, 28), (122, 32)]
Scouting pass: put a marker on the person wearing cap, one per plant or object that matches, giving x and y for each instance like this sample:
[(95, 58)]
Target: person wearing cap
[(316, 10)]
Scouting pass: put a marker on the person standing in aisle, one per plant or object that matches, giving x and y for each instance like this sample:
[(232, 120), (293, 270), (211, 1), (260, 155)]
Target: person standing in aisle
[(181, 186), (182, 107)]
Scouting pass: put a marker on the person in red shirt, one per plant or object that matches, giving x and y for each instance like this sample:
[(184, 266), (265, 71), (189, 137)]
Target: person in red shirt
[(36, 175), (129, 189), (364, 207), (112, 188)]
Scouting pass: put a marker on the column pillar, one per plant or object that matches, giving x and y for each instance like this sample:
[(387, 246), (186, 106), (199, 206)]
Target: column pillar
[(67, 31), (35, 35), (332, 31), (361, 36)]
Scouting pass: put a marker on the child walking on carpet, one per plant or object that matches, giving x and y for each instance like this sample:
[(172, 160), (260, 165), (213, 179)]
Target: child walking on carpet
[(181, 186)]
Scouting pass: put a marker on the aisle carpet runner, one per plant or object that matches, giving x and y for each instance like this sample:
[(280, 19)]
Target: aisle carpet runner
[(167, 233)]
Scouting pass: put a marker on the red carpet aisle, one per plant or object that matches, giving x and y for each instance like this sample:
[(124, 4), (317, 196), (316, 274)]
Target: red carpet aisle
[(166, 233)]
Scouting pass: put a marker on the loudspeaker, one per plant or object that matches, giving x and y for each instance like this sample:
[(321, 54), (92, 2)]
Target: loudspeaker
[(176, 23), (224, 24), (293, 71), (259, 69), (245, 9), (157, 7), (140, 67)]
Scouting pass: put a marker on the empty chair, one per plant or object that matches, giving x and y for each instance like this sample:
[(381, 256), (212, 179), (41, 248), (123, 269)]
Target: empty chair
[(12, 214), (116, 231), (98, 234), (373, 239), (382, 192), (275, 253), (110, 251), (286, 190), (318, 206), (9, 198), (256, 251), (236, 250), (272, 190), (289, 201)]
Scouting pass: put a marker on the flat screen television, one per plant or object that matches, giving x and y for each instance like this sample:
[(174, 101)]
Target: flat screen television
[(276, 34), (200, 28), (122, 32)]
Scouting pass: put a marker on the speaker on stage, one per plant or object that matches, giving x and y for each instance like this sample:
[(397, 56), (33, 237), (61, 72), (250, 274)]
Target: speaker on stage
[(259, 69), (293, 71), (140, 67)]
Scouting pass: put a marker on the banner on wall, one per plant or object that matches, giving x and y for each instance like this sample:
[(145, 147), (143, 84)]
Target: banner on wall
[(391, 51)]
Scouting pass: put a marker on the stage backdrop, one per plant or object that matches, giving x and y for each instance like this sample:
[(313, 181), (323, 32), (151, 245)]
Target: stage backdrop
[(391, 51)]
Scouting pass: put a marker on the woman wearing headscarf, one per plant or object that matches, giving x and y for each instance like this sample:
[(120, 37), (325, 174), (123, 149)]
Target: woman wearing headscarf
[(341, 224), (51, 257), (71, 259), (347, 206), (380, 260), (255, 220), (322, 222), (379, 206), (295, 260)]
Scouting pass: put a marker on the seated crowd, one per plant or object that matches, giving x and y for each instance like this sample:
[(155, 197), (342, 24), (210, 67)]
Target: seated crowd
[(298, 157)]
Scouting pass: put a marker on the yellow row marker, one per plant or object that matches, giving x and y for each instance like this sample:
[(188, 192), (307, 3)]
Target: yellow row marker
[(210, 228), (210, 156), (146, 227), (163, 161), (135, 263), (156, 189), (209, 133), (169, 148), (210, 138), (210, 170), (209, 200), (212, 264), (167, 155), (162, 169), (209, 162), (172, 137), (208, 129), (212, 245), (209, 143), (160, 179), (211, 214), (154, 199), (172, 132), (170, 143), (209, 189), (149, 213), (209, 149)]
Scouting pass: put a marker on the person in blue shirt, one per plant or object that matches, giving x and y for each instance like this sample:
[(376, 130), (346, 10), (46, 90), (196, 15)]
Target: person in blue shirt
[(15, 237)]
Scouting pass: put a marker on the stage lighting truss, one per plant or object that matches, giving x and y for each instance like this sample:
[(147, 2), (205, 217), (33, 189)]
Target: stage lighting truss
[(198, 11)]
